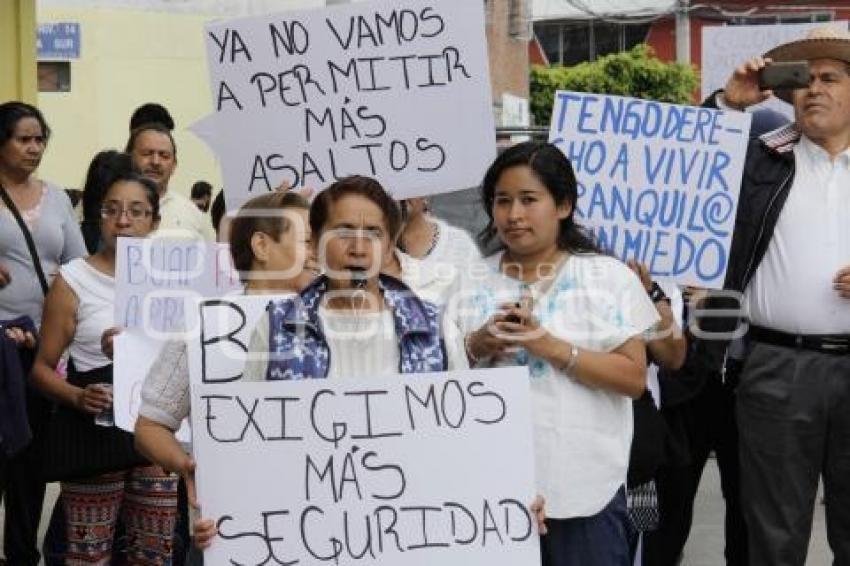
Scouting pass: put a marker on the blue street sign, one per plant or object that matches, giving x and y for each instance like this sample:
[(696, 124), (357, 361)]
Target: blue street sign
[(60, 40)]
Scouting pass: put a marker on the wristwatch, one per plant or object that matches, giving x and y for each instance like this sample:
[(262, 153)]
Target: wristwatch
[(656, 293)]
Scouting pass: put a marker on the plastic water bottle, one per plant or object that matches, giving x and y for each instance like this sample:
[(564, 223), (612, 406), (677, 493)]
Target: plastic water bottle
[(106, 417)]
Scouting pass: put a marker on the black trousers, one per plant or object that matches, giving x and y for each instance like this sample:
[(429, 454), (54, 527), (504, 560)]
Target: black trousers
[(708, 422), (794, 410), (23, 498)]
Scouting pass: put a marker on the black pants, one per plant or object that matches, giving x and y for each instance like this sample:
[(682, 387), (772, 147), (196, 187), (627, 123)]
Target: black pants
[(709, 425), (794, 412), (23, 499)]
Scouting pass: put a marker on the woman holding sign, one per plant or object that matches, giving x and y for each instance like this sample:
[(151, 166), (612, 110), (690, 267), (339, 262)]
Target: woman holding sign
[(270, 248), (361, 322), (575, 317), (102, 475)]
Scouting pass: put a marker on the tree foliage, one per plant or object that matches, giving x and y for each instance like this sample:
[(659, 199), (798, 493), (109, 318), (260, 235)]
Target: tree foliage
[(638, 73)]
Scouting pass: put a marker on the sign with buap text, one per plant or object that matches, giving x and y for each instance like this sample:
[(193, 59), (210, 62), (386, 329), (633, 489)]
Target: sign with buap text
[(154, 278), (397, 90), (415, 470), (657, 182)]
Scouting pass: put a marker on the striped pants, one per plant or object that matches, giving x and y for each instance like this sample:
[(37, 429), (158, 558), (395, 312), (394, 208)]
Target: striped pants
[(146, 497)]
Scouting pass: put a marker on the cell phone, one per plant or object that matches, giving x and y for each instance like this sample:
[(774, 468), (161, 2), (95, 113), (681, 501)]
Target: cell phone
[(526, 301), (785, 75)]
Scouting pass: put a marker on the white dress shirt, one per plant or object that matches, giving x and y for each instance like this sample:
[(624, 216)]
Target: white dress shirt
[(180, 219), (791, 290)]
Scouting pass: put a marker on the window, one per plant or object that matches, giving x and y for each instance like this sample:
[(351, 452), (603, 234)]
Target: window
[(573, 42), (792, 18), (54, 76)]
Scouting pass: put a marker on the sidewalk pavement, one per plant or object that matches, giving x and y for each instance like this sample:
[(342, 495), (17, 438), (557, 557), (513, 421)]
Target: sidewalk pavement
[(705, 546)]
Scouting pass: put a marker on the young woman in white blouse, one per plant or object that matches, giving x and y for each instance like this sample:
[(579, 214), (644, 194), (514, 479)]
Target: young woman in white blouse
[(77, 312), (575, 318)]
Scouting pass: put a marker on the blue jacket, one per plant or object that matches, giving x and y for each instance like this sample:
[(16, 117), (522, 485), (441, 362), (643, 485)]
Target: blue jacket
[(299, 348)]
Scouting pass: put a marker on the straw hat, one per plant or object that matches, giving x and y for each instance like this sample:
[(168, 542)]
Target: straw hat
[(824, 42)]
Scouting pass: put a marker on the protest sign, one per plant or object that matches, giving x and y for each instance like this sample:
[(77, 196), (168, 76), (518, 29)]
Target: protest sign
[(380, 471), (726, 47), (657, 182), (153, 279), (396, 90), (153, 276)]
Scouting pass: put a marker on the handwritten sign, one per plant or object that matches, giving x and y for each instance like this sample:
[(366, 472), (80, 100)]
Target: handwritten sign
[(381, 471), (154, 279), (228, 323), (657, 182), (397, 90), (153, 276), (220, 334)]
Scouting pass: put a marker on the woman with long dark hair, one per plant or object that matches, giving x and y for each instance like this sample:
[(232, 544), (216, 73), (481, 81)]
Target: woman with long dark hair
[(102, 169), (38, 211), (575, 317), (77, 313)]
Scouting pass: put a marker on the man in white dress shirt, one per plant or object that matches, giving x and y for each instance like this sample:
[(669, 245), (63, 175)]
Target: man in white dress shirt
[(790, 258)]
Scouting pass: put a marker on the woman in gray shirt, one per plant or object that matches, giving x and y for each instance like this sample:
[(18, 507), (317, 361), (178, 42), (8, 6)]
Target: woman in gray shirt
[(45, 208), (47, 212)]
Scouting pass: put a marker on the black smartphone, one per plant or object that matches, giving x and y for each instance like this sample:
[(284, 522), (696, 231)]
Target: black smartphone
[(526, 301), (785, 75)]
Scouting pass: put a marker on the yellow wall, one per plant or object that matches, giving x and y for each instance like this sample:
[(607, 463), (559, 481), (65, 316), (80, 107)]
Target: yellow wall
[(128, 58), (17, 50)]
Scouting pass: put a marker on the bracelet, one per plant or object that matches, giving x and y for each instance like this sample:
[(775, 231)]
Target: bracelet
[(472, 358), (572, 361), (656, 293)]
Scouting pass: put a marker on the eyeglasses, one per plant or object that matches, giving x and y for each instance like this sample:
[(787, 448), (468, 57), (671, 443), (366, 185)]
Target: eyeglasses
[(134, 212)]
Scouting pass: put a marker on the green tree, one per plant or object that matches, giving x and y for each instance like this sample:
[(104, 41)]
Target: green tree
[(638, 73)]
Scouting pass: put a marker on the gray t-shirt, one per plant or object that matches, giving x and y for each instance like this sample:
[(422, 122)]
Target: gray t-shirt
[(57, 239)]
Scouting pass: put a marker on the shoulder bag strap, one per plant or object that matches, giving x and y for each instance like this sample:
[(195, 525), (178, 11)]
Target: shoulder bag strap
[(7, 200)]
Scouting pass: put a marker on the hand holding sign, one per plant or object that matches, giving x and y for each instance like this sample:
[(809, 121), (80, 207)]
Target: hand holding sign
[(107, 340), (841, 283)]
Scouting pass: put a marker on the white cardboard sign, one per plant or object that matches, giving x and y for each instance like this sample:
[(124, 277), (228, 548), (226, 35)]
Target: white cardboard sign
[(398, 90), (416, 470), (153, 280), (656, 182)]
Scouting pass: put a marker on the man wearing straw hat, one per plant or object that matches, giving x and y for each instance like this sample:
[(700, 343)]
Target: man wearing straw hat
[(790, 258)]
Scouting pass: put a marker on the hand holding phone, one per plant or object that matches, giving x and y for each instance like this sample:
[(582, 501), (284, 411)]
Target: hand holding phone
[(526, 302), (785, 75)]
